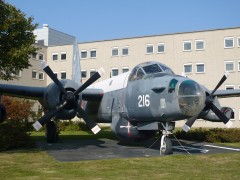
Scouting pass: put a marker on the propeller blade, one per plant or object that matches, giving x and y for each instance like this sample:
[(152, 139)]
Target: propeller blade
[(44, 119), (47, 117), (90, 123), (225, 76), (221, 116), (91, 80), (50, 73), (187, 126)]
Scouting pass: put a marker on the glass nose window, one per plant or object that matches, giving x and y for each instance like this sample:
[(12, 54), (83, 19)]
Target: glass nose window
[(191, 98)]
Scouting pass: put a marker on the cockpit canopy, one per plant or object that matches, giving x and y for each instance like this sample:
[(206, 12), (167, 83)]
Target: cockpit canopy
[(148, 70)]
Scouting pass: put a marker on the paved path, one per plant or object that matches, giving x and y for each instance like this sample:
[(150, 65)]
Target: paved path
[(78, 150)]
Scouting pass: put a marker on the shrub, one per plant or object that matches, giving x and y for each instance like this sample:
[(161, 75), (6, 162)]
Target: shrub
[(13, 135), (211, 135), (223, 135), (73, 126)]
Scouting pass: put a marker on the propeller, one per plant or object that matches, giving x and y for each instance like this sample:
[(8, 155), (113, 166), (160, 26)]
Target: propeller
[(209, 104), (70, 98)]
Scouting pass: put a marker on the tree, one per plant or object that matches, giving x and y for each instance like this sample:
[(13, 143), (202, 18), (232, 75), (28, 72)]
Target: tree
[(16, 40)]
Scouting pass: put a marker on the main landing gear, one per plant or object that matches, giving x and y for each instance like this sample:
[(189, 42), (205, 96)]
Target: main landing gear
[(52, 132), (166, 143)]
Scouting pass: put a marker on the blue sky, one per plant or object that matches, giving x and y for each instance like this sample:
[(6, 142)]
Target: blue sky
[(92, 20)]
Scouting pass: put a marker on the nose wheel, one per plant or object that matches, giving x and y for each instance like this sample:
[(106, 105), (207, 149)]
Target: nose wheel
[(165, 144)]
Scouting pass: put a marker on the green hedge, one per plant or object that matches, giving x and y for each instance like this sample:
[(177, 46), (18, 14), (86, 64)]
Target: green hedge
[(210, 135), (13, 135)]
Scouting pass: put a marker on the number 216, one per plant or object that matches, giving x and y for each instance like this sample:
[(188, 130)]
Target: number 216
[(143, 100)]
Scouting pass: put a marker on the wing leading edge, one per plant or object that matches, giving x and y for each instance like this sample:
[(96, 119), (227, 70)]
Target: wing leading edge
[(92, 94), (28, 92), (227, 93)]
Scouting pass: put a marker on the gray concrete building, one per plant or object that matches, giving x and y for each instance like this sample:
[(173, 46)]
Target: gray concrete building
[(50, 37)]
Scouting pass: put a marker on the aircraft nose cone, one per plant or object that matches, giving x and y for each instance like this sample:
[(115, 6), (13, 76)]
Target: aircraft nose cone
[(191, 98)]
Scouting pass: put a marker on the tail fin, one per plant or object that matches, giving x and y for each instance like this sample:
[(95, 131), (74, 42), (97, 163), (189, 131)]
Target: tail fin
[(76, 68)]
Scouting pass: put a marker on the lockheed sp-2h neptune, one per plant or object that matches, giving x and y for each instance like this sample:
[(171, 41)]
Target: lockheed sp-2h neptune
[(138, 103)]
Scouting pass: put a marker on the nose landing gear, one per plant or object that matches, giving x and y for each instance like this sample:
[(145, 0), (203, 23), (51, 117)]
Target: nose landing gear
[(166, 143)]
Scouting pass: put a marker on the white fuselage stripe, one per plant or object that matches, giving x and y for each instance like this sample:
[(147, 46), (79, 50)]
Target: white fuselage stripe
[(112, 84)]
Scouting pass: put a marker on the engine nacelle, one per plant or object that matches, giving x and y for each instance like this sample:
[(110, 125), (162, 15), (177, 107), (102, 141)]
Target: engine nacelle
[(211, 116), (2, 113), (127, 131), (53, 97)]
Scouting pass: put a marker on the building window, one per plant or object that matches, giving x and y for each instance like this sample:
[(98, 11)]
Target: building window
[(238, 41), (229, 66), (83, 54), (161, 47), (63, 55), (84, 73), (93, 53), (239, 114), (238, 65), (229, 87), (114, 71), (149, 48), (56, 74), (125, 51), (15, 73), (200, 68), (228, 42), (54, 56), (199, 44), (63, 75), (40, 56), (41, 75), (34, 55), (125, 69), (34, 74), (115, 51), (187, 45), (188, 68), (92, 72)]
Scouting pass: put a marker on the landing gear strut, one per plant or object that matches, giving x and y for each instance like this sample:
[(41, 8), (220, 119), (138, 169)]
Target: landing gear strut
[(51, 132), (166, 143)]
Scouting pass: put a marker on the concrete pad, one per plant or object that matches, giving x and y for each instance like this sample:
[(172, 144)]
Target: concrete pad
[(98, 149)]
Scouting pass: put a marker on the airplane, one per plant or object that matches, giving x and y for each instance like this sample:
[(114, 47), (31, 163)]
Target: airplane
[(139, 103)]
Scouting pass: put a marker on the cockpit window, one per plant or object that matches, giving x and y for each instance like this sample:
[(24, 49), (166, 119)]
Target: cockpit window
[(140, 73), (166, 69), (136, 74), (152, 69), (148, 70)]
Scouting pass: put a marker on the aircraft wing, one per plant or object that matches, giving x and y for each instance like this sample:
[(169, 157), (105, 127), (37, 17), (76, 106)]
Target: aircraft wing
[(92, 94), (227, 93), (28, 92)]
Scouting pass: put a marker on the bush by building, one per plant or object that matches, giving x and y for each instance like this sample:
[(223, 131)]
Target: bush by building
[(211, 135)]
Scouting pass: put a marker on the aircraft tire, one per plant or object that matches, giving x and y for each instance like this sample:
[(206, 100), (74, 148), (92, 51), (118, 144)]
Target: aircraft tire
[(51, 132), (167, 147)]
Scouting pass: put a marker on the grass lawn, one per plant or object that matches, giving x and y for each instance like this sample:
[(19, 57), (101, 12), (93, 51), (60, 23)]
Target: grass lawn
[(36, 164)]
